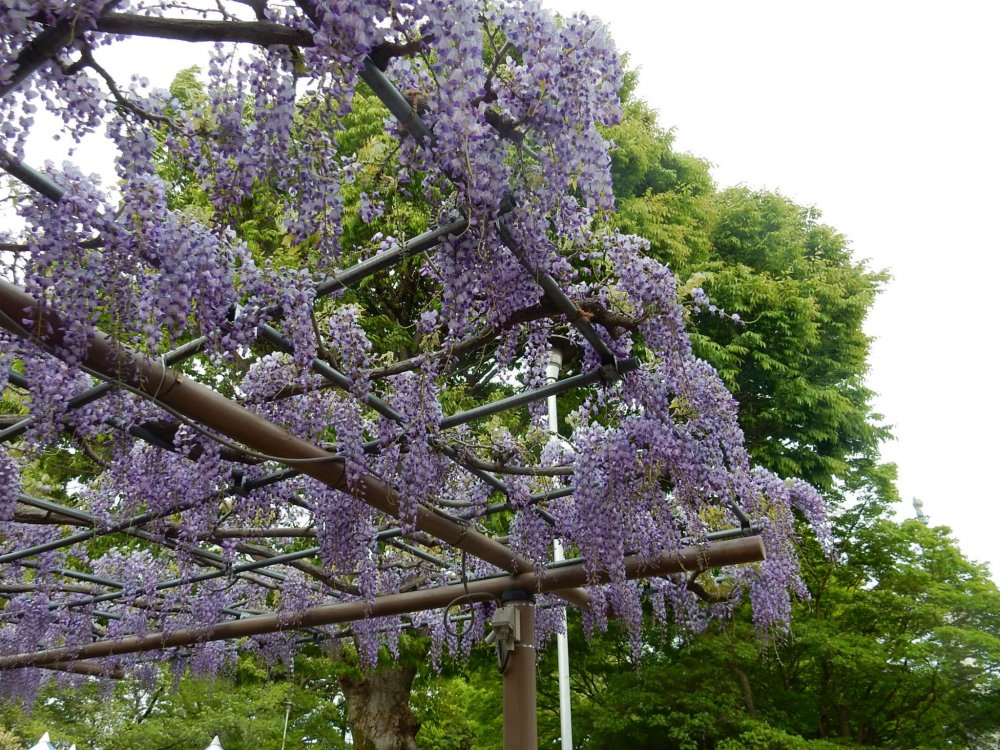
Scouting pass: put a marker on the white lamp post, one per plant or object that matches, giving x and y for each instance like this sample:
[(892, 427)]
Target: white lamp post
[(562, 644)]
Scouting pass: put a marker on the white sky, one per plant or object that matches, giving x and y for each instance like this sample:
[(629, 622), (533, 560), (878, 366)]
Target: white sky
[(883, 115)]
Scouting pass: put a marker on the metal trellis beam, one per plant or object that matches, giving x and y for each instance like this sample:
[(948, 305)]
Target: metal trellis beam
[(553, 579)]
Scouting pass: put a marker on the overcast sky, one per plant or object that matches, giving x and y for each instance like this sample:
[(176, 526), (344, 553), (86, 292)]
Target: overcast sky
[(884, 116), (881, 114)]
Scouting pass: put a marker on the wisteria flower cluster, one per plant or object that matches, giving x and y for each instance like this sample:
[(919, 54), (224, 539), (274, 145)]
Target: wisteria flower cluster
[(239, 201)]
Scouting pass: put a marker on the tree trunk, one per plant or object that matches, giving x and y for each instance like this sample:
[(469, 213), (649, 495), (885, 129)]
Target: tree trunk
[(744, 682), (843, 722), (378, 708)]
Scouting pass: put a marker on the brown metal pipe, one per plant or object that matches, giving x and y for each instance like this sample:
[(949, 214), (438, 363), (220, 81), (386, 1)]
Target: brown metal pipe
[(554, 579), (218, 413), (520, 699)]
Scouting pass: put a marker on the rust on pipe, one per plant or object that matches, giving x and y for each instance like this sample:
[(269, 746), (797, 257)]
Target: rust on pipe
[(216, 412), (553, 579)]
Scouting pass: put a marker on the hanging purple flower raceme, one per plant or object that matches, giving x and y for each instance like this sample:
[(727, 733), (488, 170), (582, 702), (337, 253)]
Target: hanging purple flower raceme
[(146, 477), (688, 613), (420, 469), (51, 383), (10, 485), (595, 617), (15, 20), (344, 527), (598, 476), (466, 148), (459, 265), (536, 361), (211, 658), (371, 210), (564, 84), (269, 143), (776, 579), (463, 489), (350, 346), (345, 31), (550, 619), (432, 624), (139, 572), (805, 499), (227, 175), (275, 648), (68, 92), (676, 452), (530, 533), (371, 633), (59, 241)]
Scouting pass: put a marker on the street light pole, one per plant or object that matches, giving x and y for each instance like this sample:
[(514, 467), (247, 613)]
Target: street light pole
[(562, 643), (284, 733)]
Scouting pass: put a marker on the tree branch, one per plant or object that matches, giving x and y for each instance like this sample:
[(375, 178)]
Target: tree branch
[(466, 458), (87, 59), (701, 592), (260, 552), (505, 127), (263, 33), (251, 533), (150, 705), (22, 247), (90, 453), (383, 52), (90, 668), (24, 514), (744, 682), (591, 309), (44, 47)]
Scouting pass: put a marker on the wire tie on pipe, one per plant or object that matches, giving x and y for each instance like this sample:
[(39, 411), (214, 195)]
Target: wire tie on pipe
[(163, 376)]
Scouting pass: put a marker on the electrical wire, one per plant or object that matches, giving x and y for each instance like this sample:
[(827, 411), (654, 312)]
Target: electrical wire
[(466, 598)]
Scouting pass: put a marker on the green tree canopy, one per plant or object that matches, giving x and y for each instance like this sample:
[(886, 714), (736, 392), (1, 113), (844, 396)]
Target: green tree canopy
[(797, 362)]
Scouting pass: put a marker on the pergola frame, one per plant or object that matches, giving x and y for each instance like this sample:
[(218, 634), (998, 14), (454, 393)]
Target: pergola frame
[(118, 367)]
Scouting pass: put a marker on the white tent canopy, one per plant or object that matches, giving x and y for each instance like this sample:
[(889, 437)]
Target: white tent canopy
[(43, 744)]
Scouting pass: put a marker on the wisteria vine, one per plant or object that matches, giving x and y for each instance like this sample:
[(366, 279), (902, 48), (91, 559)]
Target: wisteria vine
[(234, 200)]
